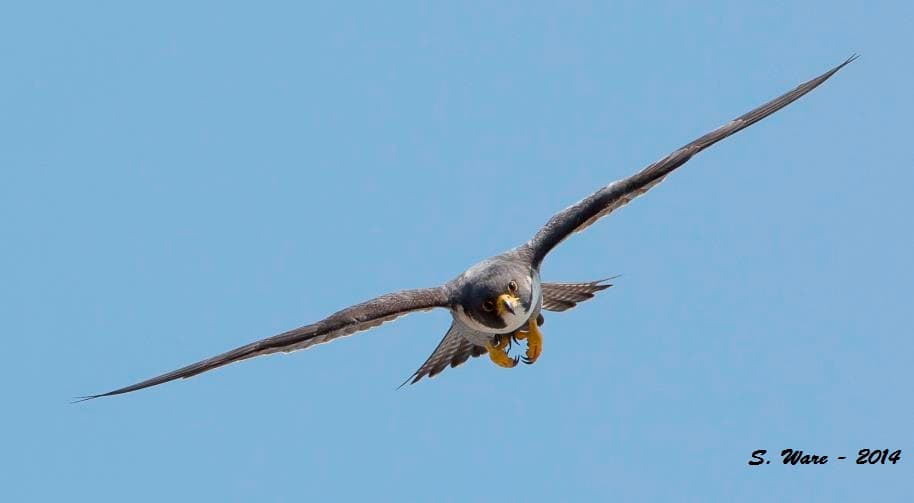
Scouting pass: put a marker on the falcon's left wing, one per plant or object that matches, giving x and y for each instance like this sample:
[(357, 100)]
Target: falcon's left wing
[(348, 321), (619, 193)]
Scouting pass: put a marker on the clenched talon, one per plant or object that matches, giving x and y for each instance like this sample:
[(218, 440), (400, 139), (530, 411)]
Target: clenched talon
[(498, 355), (534, 343)]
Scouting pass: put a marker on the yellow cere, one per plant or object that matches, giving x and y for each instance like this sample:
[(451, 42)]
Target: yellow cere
[(502, 300)]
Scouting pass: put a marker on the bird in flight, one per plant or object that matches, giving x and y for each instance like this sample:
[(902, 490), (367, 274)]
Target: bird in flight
[(499, 300)]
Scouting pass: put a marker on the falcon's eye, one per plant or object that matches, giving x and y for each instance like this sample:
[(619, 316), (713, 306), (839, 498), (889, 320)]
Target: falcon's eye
[(488, 306), (512, 286)]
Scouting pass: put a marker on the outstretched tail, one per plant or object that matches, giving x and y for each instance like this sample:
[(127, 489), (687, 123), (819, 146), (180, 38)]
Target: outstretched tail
[(564, 296)]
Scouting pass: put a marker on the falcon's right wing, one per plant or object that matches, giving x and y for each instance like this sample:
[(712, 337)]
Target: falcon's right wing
[(348, 321), (453, 350)]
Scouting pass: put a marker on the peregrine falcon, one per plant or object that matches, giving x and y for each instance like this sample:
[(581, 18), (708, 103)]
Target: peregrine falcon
[(499, 300)]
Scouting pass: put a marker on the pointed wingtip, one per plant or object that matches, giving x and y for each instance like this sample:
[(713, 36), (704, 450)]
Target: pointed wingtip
[(846, 62), (413, 377), (78, 399), (602, 283)]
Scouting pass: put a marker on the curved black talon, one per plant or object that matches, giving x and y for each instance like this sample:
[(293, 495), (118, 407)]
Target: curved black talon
[(516, 358), (540, 320)]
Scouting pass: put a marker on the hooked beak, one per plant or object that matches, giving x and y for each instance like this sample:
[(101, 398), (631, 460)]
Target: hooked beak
[(506, 302)]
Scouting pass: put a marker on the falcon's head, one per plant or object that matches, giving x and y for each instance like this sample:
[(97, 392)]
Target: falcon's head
[(496, 296)]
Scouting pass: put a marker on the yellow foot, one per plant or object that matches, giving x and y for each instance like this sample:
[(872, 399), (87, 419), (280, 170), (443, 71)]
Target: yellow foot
[(498, 355), (534, 342), (522, 333)]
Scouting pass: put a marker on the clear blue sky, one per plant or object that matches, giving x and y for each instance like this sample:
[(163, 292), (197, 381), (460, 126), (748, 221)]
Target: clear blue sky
[(179, 179)]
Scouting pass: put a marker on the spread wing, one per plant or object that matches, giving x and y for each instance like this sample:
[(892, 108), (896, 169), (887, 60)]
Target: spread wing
[(348, 321), (601, 203), (564, 296), (453, 350)]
